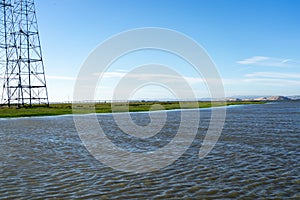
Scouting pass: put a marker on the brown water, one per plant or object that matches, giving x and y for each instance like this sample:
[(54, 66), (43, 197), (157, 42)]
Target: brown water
[(257, 156)]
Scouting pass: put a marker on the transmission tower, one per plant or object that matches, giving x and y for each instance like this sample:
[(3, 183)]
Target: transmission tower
[(24, 76), (6, 25)]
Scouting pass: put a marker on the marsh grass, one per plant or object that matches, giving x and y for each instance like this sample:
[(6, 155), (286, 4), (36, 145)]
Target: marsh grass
[(85, 108)]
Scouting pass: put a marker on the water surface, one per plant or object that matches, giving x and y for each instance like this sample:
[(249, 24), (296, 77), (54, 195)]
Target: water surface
[(257, 155)]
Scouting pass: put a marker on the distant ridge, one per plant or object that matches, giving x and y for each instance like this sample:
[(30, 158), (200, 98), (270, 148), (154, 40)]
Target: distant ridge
[(271, 98), (294, 97)]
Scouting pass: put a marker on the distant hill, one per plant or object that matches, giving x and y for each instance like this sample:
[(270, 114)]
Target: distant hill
[(257, 98), (295, 97), (273, 98)]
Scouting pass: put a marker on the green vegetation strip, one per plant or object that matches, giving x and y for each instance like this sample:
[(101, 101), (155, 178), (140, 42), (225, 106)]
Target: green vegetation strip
[(66, 108)]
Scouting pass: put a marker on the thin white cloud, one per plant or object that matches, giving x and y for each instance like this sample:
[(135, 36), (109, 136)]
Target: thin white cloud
[(273, 78), (273, 81), (274, 75), (151, 77), (232, 81), (111, 74), (253, 60), (194, 80), (286, 60), (268, 62), (264, 79), (67, 78)]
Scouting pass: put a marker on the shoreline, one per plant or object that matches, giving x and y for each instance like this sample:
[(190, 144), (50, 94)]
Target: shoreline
[(105, 108)]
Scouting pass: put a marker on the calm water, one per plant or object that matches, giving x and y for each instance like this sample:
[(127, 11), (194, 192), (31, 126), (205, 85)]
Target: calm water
[(257, 156)]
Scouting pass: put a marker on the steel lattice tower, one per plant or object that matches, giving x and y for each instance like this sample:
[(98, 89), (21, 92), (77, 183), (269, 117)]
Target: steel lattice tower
[(24, 76), (6, 26)]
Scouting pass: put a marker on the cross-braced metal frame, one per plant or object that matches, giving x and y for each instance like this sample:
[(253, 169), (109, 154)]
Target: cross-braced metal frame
[(24, 80)]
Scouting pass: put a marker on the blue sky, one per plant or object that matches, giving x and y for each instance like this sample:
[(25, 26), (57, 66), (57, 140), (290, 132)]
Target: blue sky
[(254, 44)]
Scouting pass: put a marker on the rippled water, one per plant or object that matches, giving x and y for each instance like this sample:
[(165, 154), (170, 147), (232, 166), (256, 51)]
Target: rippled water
[(257, 155)]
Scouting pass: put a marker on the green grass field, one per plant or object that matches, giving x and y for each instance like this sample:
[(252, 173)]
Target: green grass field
[(66, 108)]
